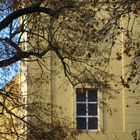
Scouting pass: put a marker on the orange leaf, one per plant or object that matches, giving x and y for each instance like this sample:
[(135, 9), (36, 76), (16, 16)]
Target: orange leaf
[(127, 50), (133, 66), (93, 30), (126, 85), (82, 90)]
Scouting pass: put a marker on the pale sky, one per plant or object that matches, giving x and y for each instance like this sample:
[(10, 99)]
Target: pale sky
[(7, 73)]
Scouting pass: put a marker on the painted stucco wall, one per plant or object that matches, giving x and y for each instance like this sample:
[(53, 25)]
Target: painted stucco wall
[(59, 92), (53, 87)]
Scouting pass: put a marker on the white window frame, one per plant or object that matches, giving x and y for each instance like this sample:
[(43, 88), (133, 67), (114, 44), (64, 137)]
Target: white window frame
[(88, 116)]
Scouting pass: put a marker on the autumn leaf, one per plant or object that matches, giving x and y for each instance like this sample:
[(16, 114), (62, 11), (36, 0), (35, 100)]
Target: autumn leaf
[(89, 55), (138, 102), (129, 79), (138, 44), (133, 66), (127, 50), (82, 90), (119, 57), (125, 84), (93, 31), (122, 81)]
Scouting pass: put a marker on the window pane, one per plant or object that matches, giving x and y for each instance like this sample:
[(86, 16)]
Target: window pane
[(92, 95), (81, 109), (92, 123), (92, 109), (81, 95), (81, 123)]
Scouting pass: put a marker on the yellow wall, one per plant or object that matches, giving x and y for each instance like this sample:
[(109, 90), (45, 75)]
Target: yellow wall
[(54, 88), (118, 126)]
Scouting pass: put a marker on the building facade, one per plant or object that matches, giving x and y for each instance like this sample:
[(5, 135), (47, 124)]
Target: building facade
[(90, 112)]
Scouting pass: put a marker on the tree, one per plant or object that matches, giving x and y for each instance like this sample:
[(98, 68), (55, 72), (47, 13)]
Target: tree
[(6, 71), (81, 34)]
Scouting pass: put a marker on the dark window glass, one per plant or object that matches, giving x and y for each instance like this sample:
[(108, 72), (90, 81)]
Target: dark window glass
[(81, 95), (84, 106), (92, 109), (81, 123), (92, 123), (81, 109), (92, 95)]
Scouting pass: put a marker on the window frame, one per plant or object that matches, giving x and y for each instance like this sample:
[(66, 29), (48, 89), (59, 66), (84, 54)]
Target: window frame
[(87, 116)]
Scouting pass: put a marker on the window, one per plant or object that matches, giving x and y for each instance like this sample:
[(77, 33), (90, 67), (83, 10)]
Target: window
[(87, 109)]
